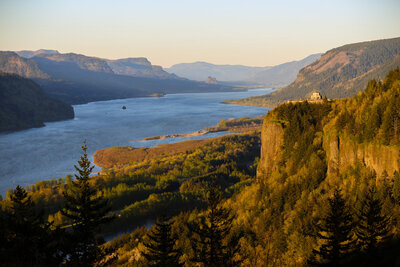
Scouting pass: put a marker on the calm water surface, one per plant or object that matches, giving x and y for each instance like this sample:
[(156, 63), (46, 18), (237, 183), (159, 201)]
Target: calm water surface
[(51, 151)]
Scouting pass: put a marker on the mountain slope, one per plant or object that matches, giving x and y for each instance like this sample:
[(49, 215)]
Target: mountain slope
[(10, 62), (340, 72), (78, 79), (139, 67), (23, 104), (81, 61)]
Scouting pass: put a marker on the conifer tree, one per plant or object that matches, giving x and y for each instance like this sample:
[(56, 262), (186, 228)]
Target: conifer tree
[(87, 210), (160, 245), (24, 231), (336, 232), (396, 187), (372, 227), (210, 234)]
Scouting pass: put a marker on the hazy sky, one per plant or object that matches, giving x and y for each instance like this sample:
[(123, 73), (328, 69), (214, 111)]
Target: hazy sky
[(248, 32)]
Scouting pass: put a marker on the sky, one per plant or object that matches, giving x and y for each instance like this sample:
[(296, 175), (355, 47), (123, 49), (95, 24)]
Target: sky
[(167, 32)]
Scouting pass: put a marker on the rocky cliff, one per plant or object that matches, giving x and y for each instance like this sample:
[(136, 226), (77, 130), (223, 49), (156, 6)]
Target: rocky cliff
[(339, 151), (271, 147), (342, 153)]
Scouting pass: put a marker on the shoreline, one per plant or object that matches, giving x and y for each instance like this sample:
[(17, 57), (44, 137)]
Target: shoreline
[(167, 136), (120, 156)]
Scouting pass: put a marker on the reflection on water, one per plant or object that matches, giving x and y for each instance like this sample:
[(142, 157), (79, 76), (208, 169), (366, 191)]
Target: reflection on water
[(51, 151)]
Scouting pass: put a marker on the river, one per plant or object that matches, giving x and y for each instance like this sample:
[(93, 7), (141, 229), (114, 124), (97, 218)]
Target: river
[(50, 152)]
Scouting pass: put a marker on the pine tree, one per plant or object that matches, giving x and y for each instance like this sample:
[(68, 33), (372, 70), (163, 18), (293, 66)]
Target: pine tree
[(24, 231), (336, 232), (160, 245), (372, 227), (210, 234), (396, 187), (87, 210)]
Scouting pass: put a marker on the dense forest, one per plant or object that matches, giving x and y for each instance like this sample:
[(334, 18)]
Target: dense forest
[(208, 206), (23, 104)]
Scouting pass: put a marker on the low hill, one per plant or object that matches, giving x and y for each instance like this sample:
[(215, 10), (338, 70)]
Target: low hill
[(340, 72), (23, 104)]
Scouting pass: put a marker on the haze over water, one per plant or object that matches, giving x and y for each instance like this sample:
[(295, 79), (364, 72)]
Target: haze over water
[(51, 151)]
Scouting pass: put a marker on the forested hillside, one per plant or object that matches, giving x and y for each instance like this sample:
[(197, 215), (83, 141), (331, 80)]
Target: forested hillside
[(307, 205), (340, 72), (23, 104)]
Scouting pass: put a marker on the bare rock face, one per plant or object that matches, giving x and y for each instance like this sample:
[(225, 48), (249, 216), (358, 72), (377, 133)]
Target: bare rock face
[(271, 143), (343, 152)]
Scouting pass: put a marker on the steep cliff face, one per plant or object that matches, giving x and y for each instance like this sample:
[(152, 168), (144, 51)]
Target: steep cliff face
[(339, 151), (271, 147), (342, 152)]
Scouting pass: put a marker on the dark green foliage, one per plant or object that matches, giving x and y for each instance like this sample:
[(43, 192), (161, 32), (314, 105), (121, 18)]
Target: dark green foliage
[(372, 227), (210, 233), (301, 121), (374, 114), (26, 238), (87, 211), (167, 184), (336, 232), (160, 245), (23, 104)]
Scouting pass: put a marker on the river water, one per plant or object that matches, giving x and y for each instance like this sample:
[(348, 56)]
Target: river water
[(51, 151)]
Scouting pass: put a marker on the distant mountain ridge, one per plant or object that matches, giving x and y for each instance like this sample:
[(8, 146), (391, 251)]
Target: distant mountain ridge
[(30, 53), (139, 67), (23, 104), (82, 61), (273, 76), (199, 71), (283, 74), (340, 72), (78, 79), (136, 67)]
